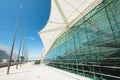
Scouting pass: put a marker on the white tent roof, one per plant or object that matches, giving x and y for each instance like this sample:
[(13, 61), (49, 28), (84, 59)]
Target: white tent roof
[(64, 14)]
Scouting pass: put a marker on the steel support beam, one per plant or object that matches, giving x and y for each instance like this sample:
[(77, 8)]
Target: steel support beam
[(62, 13)]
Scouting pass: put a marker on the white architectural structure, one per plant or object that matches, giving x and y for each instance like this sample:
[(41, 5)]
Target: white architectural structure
[(64, 14), (4, 54)]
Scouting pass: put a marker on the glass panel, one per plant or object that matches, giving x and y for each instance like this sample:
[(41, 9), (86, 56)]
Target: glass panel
[(92, 46)]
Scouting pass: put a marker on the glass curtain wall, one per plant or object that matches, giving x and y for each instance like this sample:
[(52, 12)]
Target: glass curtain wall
[(91, 48)]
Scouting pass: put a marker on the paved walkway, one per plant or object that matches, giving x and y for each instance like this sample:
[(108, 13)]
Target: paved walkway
[(38, 72)]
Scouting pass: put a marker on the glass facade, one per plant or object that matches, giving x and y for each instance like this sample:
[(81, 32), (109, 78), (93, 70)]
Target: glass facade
[(3, 55), (91, 48)]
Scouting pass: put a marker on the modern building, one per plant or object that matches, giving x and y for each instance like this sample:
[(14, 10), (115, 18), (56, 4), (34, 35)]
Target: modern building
[(83, 37), (5, 53)]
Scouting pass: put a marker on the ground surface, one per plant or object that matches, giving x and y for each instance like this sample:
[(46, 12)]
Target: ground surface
[(30, 71)]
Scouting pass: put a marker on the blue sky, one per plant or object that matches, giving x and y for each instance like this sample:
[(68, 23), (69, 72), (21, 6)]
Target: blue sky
[(34, 15)]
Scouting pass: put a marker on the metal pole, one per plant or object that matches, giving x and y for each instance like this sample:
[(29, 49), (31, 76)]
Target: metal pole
[(19, 53), (20, 47), (22, 54), (11, 53)]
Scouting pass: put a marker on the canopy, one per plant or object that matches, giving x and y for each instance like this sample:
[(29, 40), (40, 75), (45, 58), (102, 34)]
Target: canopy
[(64, 14)]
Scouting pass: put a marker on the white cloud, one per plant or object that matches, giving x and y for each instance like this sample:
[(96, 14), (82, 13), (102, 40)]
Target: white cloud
[(32, 38)]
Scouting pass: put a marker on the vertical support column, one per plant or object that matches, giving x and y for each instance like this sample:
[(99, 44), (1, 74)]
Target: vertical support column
[(11, 53), (19, 54), (22, 57), (14, 39), (43, 55)]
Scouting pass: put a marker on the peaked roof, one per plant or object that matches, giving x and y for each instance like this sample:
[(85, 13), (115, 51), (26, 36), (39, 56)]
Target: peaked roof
[(64, 14)]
